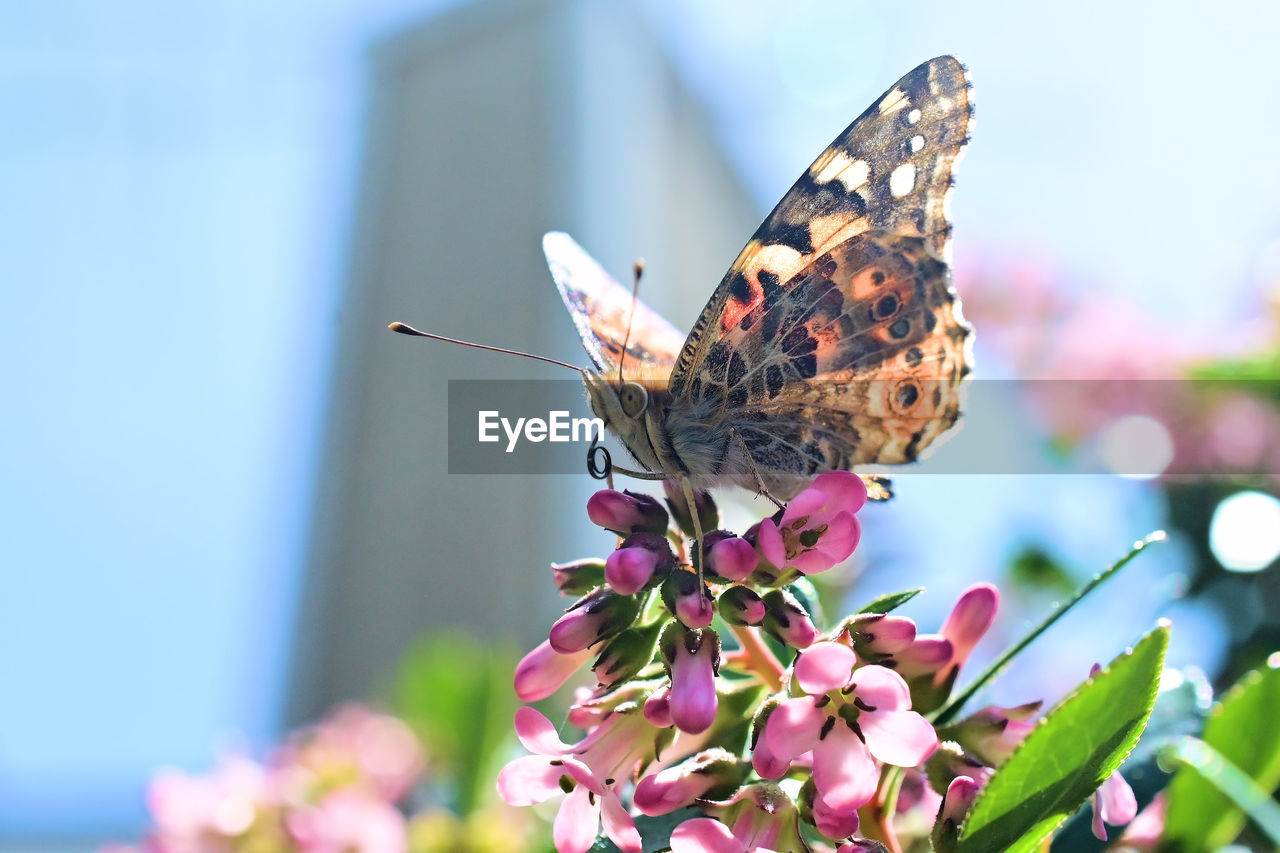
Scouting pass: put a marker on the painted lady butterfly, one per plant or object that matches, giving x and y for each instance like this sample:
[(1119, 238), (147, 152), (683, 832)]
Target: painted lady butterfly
[(834, 340)]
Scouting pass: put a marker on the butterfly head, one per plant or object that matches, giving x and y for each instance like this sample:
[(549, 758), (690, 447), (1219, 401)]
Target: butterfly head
[(623, 405)]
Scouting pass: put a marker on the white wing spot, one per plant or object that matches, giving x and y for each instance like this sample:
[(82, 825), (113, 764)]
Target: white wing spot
[(902, 180), (841, 167), (917, 143), (894, 101), (913, 117), (946, 203)]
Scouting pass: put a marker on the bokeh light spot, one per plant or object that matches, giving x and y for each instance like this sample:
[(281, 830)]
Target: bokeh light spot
[(1136, 446), (1245, 531)]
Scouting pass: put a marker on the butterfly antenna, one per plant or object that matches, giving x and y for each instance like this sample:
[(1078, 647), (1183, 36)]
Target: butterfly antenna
[(410, 330), (635, 293)]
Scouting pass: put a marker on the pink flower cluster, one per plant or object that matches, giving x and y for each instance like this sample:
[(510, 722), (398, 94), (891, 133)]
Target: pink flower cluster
[(666, 721), (333, 788)]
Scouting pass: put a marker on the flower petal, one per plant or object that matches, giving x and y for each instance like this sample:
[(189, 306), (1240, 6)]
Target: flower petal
[(577, 822), (538, 734), (704, 835), (824, 667), (791, 730), (834, 823), (542, 672), (902, 738), (528, 780), (770, 544), (618, 825), (843, 771), (881, 688), (845, 490)]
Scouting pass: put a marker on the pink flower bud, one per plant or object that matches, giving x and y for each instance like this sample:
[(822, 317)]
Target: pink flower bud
[(642, 559), (740, 605), (711, 774), (787, 620), (542, 672), (969, 620), (689, 600), (992, 734), (578, 577), (693, 658), (928, 654), (628, 569), (877, 636), (626, 512), (595, 617), (731, 557), (956, 802)]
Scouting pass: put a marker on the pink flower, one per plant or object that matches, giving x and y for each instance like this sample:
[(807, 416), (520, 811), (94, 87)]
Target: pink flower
[(760, 817), (382, 751), (1113, 803), (586, 770), (544, 671), (850, 719), (189, 810), (689, 599), (346, 821), (693, 658), (932, 661), (818, 528)]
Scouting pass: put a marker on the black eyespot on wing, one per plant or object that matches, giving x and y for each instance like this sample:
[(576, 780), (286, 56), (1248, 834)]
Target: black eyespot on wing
[(907, 395), (914, 356), (900, 328), (887, 305)]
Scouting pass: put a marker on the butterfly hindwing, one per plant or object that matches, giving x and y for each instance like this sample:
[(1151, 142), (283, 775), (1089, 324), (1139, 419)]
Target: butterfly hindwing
[(890, 170), (601, 309)]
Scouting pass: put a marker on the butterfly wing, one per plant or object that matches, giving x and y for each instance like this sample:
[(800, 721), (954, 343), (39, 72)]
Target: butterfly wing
[(601, 308), (835, 338), (889, 170)]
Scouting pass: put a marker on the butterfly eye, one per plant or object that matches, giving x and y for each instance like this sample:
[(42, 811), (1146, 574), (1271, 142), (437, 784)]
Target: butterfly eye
[(633, 398)]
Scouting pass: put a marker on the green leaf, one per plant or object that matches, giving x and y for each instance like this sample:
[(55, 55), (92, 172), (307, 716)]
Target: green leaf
[(1068, 755), (1231, 781), (1242, 729), (1181, 707), (952, 709), (457, 696), (892, 601), (655, 832)]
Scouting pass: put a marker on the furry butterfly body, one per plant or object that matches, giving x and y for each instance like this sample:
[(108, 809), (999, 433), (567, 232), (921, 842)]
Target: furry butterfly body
[(835, 338)]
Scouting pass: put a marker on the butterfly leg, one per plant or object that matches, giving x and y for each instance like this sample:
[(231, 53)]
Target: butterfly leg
[(755, 472), (687, 488)]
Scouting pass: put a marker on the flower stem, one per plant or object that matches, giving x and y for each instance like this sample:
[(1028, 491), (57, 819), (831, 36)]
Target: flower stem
[(758, 658)]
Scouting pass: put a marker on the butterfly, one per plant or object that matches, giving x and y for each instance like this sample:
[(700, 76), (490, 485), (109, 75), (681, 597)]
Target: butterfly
[(834, 340)]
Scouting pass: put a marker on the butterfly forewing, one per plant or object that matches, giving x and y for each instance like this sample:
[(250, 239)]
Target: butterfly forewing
[(602, 308), (889, 171)]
